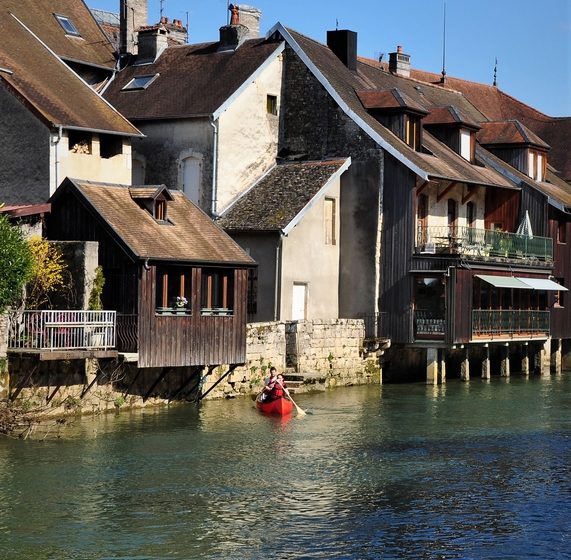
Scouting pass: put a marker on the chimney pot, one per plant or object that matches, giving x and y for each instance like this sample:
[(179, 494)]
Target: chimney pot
[(399, 49)]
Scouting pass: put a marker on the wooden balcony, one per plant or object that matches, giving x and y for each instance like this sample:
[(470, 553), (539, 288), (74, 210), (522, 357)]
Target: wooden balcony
[(508, 324), (63, 334), (483, 244), (429, 324)]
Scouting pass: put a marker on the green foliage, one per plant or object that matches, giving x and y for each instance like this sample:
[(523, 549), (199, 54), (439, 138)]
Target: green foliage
[(94, 302), (119, 402), (15, 263), (47, 272)]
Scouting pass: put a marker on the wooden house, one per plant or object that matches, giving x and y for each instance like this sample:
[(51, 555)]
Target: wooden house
[(176, 280)]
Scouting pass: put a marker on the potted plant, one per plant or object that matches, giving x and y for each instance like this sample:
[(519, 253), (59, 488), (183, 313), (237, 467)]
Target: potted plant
[(180, 304)]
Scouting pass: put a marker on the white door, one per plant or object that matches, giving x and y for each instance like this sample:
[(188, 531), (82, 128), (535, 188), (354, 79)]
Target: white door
[(298, 302), (191, 178)]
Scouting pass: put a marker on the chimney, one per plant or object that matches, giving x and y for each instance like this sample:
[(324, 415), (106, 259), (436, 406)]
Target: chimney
[(399, 63), (132, 16), (233, 35), (250, 17), (344, 44), (152, 42)]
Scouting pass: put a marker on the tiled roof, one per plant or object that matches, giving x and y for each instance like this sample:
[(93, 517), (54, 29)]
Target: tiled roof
[(194, 80), (274, 201), (389, 99), (191, 236), (91, 47), (49, 87), (447, 164), (448, 115), (508, 132)]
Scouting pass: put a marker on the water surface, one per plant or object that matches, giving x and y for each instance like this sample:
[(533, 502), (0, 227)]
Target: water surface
[(477, 470)]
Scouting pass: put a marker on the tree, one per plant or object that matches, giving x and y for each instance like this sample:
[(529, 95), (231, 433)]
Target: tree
[(15, 263), (47, 272)]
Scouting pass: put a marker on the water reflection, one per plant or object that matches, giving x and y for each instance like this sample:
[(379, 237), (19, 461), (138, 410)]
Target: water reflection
[(464, 470)]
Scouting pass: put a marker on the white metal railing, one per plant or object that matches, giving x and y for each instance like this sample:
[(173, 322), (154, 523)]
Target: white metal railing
[(62, 330)]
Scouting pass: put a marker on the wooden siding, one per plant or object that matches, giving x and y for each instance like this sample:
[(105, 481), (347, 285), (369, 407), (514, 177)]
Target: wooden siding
[(536, 204), (502, 207), (561, 316), (194, 339), (397, 248), (459, 305), (517, 157)]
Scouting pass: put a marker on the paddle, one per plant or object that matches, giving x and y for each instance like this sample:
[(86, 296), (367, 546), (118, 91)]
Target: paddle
[(300, 411)]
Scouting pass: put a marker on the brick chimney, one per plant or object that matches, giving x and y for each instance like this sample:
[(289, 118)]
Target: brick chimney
[(132, 16), (344, 44), (399, 63), (152, 41), (233, 35)]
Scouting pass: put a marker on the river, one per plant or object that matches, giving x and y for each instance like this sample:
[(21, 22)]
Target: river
[(476, 470)]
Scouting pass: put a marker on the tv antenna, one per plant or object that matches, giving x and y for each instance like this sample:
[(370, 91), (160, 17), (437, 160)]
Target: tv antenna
[(443, 79)]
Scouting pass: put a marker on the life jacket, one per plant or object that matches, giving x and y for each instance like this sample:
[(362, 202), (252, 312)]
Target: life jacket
[(277, 392)]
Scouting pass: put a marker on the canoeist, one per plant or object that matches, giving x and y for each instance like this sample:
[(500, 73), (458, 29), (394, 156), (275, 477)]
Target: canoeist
[(275, 386)]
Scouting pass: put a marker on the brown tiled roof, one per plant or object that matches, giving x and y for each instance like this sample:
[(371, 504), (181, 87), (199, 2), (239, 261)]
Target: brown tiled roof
[(447, 164), (448, 115), (191, 236), (49, 87), (273, 202), (508, 132), (92, 47), (193, 80), (497, 105), (389, 99)]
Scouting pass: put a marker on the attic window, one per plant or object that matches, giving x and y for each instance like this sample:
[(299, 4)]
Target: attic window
[(412, 132), (140, 82), (67, 25), (272, 104), (536, 165), (160, 213), (79, 141), (110, 145)]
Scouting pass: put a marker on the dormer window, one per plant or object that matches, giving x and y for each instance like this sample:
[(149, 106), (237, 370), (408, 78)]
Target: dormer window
[(536, 165), (466, 144), (412, 131), (161, 210), (67, 25)]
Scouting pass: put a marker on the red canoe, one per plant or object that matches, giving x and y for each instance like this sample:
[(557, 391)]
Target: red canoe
[(280, 407)]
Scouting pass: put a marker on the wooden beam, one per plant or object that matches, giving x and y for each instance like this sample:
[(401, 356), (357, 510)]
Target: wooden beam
[(232, 368), (192, 376), (469, 194), (23, 382), (446, 191), (50, 397), (157, 381), (420, 188)]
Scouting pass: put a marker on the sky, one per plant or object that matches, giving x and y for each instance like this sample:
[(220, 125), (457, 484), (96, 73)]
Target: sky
[(531, 40)]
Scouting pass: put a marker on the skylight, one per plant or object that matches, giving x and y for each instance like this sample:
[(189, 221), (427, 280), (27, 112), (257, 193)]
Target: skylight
[(67, 25), (140, 82)]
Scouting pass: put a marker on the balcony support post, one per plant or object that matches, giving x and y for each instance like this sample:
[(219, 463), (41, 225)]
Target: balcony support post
[(465, 366), (525, 360), (432, 366), (486, 368), (545, 358), (556, 355), (442, 366), (505, 363)]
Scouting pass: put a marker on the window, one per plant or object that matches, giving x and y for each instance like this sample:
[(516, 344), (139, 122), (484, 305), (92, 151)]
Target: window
[(160, 213), (67, 25), (559, 295), (562, 232), (465, 144), (140, 82), (79, 141), (110, 145), (173, 289), (272, 104), (330, 222), (536, 165), (452, 215), (217, 293), (252, 291), (191, 178), (412, 132), (422, 219)]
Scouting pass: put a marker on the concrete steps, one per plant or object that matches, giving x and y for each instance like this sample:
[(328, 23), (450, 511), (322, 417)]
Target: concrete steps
[(303, 382)]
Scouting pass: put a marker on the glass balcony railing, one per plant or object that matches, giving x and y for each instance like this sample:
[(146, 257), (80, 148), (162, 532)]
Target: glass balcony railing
[(483, 243), (508, 323)]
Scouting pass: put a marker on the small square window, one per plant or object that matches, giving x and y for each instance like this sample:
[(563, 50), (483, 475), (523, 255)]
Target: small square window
[(140, 82), (272, 104), (67, 25)]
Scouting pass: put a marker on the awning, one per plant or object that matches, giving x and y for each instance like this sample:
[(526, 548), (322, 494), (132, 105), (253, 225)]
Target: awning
[(522, 283), (504, 281), (543, 284)]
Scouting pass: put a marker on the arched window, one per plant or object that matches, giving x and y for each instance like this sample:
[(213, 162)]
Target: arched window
[(452, 217)]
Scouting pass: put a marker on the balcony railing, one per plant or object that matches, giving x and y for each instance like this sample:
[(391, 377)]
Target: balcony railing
[(429, 324), (62, 330), (482, 243), (127, 333), (493, 323)]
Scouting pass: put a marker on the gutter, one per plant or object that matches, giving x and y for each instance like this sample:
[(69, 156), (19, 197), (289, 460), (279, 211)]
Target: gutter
[(277, 286), (56, 157), (214, 201)]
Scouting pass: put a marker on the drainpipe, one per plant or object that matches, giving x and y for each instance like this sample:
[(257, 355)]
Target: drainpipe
[(214, 202), (56, 155), (277, 282)]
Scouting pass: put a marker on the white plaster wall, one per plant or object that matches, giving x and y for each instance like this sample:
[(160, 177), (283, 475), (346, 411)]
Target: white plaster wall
[(438, 211), (307, 259), (248, 135), (116, 169)]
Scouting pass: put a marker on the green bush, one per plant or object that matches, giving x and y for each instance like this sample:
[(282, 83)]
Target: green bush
[(16, 263)]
